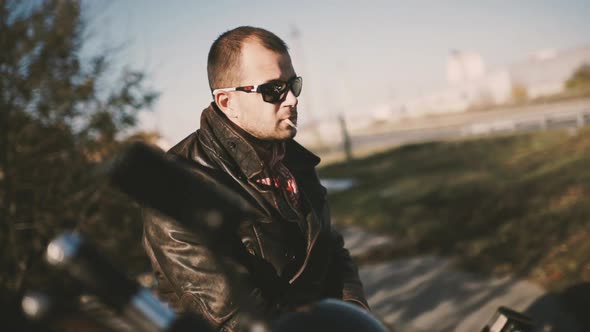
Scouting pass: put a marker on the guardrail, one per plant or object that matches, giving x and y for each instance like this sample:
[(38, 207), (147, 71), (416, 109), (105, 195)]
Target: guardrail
[(558, 120), (574, 119)]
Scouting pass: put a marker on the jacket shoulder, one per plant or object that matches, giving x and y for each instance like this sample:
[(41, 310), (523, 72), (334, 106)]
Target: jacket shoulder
[(192, 149), (185, 146)]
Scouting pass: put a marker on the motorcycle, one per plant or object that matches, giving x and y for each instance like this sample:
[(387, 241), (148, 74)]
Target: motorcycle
[(149, 177)]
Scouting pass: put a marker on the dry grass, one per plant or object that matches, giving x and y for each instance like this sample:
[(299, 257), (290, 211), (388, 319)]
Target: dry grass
[(516, 204)]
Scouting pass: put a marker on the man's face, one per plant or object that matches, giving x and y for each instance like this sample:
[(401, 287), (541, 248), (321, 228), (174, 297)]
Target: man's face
[(259, 118)]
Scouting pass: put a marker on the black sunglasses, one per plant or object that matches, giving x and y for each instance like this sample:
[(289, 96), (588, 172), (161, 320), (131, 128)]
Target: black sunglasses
[(272, 92)]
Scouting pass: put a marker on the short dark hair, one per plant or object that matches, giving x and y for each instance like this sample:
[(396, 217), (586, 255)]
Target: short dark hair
[(223, 61)]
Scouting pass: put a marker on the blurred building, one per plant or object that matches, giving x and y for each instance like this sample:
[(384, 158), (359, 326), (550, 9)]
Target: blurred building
[(471, 85), (545, 72), (464, 67)]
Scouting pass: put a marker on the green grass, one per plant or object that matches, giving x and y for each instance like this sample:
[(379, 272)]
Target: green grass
[(517, 204)]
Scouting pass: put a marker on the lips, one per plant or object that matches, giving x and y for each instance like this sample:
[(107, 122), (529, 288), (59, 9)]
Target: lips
[(291, 123), (293, 118)]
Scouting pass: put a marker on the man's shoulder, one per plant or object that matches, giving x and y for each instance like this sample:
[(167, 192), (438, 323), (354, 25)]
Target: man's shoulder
[(191, 149), (184, 147), (192, 153)]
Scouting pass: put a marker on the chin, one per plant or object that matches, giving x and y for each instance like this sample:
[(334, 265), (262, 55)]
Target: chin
[(292, 133), (286, 135)]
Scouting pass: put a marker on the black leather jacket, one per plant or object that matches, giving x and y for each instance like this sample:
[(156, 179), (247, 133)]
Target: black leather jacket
[(291, 258)]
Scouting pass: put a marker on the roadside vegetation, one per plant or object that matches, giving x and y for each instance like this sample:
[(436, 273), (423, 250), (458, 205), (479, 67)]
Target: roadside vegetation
[(504, 205), (64, 108)]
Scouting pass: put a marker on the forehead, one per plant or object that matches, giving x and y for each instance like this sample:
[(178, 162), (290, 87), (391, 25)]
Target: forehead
[(259, 64)]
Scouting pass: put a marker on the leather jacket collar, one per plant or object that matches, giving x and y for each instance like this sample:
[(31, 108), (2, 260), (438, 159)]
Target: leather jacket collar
[(248, 152)]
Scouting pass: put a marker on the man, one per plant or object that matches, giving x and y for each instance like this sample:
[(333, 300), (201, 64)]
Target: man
[(291, 255)]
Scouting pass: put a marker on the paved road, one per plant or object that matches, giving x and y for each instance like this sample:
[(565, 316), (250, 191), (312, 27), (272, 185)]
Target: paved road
[(570, 114), (455, 125), (429, 294)]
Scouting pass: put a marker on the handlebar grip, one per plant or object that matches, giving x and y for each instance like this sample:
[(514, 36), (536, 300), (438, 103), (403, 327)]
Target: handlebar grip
[(182, 191), (137, 304)]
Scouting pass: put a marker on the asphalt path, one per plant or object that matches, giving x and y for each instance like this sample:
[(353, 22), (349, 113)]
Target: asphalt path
[(428, 293)]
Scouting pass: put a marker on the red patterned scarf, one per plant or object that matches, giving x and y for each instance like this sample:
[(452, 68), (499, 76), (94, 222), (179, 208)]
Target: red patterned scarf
[(279, 176)]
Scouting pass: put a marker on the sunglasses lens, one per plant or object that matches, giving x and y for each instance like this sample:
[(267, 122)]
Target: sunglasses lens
[(277, 91), (297, 85), (272, 92)]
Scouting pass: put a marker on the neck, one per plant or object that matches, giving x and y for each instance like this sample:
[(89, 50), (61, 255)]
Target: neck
[(269, 151)]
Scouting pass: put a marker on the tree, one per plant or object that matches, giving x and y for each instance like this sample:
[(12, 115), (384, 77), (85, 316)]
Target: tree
[(580, 79), (60, 115), (519, 93)]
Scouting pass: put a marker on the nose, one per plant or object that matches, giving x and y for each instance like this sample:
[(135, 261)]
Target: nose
[(290, 99)]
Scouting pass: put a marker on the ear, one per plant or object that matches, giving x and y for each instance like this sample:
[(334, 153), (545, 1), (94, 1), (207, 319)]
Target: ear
[(224, 102)]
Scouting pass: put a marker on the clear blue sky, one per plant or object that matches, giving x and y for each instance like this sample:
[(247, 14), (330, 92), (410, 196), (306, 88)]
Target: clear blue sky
[(357, 54)]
